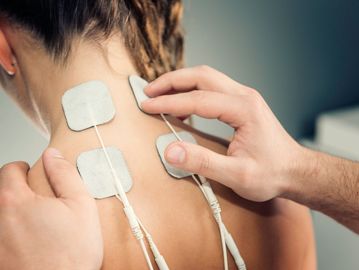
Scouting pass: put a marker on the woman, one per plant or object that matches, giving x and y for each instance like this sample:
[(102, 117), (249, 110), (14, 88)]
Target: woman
[(51, 46)]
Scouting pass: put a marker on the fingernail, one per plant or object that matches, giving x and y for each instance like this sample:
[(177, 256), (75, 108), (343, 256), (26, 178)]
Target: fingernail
[(176, 154), (54, 153)]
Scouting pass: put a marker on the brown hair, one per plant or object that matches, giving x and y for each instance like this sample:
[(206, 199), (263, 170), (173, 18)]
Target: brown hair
[(151, 29), (155, 42)]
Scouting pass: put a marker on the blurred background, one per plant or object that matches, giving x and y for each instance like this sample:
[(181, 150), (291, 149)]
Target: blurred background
[(302, 56)]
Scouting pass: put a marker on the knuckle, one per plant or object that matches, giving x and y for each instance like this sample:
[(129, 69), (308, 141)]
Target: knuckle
[(198, 95), (204, 69), (203, 162), (255, 99), (254, 93), (248, 175)]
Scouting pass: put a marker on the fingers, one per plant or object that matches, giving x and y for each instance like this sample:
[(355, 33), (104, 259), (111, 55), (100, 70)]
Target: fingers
[(13, 176), (63, 176), (195, 78), (199, 160), (229, 109)]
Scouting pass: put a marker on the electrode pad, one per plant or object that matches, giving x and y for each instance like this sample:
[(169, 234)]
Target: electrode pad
[(163, 141), (88, 104), (138, 85), (97, 175)]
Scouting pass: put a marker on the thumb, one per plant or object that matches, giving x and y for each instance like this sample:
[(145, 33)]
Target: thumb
[(200, 160), (63, 176)]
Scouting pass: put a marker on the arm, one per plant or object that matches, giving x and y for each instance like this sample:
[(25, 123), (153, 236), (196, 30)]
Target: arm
[(262, 160), (327, 184), (44, 232)]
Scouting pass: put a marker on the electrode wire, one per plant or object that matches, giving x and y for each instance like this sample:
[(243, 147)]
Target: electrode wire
[(118, 184), (223, 241), (123, 198), (234, 250), (161, 262), (147, 256), (217, 215), (135, 223), (171, 127), (220, 223), (212, 200)]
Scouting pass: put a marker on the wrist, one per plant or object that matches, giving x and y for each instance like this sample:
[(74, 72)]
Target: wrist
[(325, 183), (299, 170)]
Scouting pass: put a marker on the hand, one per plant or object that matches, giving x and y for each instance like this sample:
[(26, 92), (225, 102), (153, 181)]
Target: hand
[(48, 233), (261, 155)]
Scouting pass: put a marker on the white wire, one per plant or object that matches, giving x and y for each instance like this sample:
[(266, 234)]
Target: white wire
[(118, 184), (223, 240), (198, 182), (171, 127), (220, 223), (156, 253), (145, 252), (123, 197)]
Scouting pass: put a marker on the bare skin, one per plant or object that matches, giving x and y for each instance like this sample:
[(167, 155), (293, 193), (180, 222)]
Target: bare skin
[(262, 161), (273, 235), (28, 219)]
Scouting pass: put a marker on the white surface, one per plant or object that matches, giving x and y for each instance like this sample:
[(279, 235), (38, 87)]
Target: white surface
[(137, 85), (96, 172), (18, 138), (337, 247), (338, 131), (88, 104), (330, 150)]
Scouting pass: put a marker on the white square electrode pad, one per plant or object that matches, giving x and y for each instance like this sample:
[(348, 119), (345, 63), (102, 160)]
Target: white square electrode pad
[(96, 172), (88, 104), (163, 141), (138, 85)]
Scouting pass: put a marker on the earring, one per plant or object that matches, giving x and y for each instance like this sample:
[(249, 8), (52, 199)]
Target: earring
[(10, 73), (10, 70)]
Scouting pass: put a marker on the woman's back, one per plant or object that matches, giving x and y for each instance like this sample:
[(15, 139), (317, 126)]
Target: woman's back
[(271, 235)]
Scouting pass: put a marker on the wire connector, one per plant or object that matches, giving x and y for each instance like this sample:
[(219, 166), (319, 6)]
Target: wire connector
[(132, 219), (233, 249)]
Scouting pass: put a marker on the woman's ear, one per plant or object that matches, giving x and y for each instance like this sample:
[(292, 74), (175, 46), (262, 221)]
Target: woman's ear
[(7, 59)]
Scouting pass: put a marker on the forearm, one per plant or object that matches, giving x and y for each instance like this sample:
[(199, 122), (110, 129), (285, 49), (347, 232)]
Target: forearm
[(327, 184)]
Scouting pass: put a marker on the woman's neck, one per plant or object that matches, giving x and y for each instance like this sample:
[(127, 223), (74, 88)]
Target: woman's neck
[(48, 83)]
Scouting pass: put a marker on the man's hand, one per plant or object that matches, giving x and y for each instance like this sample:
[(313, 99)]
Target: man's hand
[(48, 233), (262, 160), (261, 154)]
